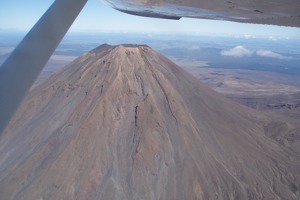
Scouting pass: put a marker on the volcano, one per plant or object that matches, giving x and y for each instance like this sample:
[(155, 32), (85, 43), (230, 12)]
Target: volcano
[(124, 122)]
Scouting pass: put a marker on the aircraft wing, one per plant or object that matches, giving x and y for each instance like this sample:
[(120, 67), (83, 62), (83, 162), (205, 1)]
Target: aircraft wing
[(275, 12), (22, 67)]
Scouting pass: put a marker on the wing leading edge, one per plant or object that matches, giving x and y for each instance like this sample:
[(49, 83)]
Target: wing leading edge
[(275, 12)]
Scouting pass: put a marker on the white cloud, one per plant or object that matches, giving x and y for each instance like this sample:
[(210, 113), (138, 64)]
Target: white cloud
[(195, 47), (63, 58), (5, 50), (273, 38), (238, 51), (271, 54), (249, 36)]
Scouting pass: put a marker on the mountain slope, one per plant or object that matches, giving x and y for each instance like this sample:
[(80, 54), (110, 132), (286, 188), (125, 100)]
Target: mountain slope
[(124, 122)]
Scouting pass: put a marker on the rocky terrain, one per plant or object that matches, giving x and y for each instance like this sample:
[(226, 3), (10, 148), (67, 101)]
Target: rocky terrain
[(124, 122), (255, 89)]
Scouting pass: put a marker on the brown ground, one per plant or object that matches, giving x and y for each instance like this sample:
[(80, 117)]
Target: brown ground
[(124, 122), (256, 89)]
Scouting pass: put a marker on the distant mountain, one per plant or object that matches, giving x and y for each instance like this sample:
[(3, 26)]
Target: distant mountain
[(124, 122)]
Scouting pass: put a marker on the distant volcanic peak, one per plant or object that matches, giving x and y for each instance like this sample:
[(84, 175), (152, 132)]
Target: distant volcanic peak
[(103, 59), (124, 54), (108, 47), (130, 50), (125, 122), (126, 48)]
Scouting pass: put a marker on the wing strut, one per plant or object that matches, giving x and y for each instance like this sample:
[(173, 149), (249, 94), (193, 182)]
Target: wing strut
[(20, 70)]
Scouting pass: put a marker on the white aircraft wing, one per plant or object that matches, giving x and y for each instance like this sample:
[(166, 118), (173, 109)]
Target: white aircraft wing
[(275, 12)]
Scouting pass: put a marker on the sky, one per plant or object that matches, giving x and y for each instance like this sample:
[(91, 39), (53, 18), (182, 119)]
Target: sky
[(96, 16)]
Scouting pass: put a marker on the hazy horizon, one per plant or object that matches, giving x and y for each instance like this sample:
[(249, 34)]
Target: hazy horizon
[(239, 52)]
